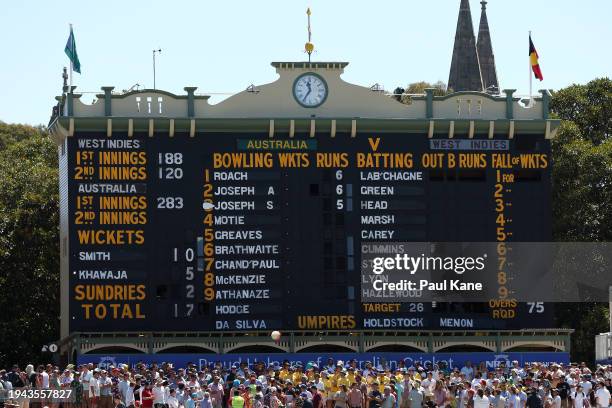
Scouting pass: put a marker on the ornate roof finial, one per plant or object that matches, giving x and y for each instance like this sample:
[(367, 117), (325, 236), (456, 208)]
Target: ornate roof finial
[(309, 47)]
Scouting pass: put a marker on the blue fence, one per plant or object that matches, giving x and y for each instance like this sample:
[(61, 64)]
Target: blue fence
[(491, 360)]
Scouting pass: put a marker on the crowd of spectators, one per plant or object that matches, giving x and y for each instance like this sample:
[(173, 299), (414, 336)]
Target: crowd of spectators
[(335, 384)]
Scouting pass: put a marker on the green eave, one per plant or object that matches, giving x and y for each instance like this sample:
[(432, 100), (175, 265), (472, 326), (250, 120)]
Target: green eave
[(322, 125)]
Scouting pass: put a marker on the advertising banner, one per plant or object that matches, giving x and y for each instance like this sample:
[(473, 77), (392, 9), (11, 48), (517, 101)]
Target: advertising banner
[(451, 360)]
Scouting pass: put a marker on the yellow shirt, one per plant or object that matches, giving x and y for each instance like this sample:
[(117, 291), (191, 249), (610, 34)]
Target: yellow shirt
[(382, 381), (329, 388), (350, 377), (343, 381), (284, 374), (334, 383)]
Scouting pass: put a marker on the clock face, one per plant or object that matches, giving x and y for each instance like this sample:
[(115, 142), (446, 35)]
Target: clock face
[(310, 90)]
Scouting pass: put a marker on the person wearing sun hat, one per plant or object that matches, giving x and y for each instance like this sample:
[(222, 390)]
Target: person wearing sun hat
[(274, 401), (311, 371), (324, 387), (342, 379)]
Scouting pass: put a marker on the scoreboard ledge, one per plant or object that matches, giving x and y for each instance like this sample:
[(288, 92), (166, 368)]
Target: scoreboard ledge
[(500, 341)]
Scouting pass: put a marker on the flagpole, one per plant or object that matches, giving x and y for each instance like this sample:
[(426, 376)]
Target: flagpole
[(530, 78), (71, 67)]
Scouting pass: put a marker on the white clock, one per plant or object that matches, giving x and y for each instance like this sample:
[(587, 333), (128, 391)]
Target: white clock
[(310, 90)]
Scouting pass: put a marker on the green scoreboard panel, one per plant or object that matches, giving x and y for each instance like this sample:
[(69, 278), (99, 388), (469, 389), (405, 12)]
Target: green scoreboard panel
[(241, 232)]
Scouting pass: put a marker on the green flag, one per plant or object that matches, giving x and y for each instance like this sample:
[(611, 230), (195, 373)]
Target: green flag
[(71, 52)]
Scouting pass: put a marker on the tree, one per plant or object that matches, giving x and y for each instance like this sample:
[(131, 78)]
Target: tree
[(29, 244), (10, 134), (582, 192), (588, 106), (582, 186), (418, 88)]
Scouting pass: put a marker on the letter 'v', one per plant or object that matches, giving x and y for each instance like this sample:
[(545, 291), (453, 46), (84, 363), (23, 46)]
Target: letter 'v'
[(373, 144)]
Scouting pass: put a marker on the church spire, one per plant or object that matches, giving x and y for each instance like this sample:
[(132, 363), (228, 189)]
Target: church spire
[(465, 72), (485, 54)]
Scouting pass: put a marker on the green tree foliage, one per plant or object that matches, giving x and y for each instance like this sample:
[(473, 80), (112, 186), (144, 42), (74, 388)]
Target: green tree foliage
[(10, 134), (582, 186), (589, 107), (582, 192), (29, 244), (418, 88)]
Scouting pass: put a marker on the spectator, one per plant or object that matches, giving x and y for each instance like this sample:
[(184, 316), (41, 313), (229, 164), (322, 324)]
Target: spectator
[(534, 400), (147, 396), (481, 400), (579, 398), (257, 403), (468, 371), (171, 400), (105, 384), (159, 394), (191, 402), (388, 400), (555, 398), (355, 397), (499, 400), (216, 392), (306, 401), (602, 395), (237, 400), (375, 396)]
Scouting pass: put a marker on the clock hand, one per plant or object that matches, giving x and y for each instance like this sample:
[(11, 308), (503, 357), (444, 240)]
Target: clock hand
[(305, 96)]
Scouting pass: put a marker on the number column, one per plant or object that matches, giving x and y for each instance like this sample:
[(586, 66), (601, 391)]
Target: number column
[(170, 170), (504, 307), (207, 253)]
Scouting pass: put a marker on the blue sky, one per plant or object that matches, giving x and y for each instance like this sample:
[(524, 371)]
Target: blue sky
[(225, 45)]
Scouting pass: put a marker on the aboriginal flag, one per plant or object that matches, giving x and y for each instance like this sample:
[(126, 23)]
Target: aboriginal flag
[(533, 57)]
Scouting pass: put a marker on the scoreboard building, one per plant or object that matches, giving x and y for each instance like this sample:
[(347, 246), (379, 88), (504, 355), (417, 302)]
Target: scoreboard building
[(192, 227)]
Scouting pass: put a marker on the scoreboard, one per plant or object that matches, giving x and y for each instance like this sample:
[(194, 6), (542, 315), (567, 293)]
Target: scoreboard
[(242, 232)]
